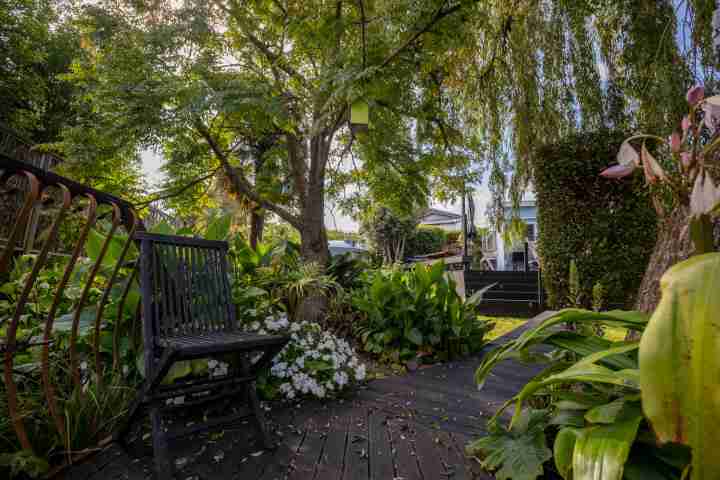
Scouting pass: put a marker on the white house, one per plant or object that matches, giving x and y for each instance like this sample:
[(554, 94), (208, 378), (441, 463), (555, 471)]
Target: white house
[(340, 247), (512, 257), (452, 222)]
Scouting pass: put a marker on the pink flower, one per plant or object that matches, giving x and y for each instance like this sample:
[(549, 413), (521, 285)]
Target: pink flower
[(685, 124), (686, 158), (675, 142), (695, 94), (617, 171), (712, 116)]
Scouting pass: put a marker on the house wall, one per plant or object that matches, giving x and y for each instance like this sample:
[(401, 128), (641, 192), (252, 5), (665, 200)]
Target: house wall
[(528, 213)]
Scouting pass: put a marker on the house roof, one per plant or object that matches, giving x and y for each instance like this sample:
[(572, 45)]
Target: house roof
[(440, 213)]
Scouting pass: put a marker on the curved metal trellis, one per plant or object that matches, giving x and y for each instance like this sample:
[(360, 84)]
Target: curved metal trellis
[(39, 183)]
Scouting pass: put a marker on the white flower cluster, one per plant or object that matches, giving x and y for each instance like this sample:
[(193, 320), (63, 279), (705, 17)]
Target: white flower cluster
[(313, 362)]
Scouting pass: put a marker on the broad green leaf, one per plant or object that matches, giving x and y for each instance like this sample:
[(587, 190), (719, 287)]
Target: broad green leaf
[(415, 336), (601, 451), (587, 345), (94, 243), (563, 450), (250, 292), (539, 334), (580, 372), (177, 371), (680, 362), (219, 227), (476, 298), (610, 412), (568, 418), (163, 228), (517, 454), (87, 319)]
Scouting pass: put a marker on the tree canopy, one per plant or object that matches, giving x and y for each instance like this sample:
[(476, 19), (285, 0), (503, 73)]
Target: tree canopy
[(252, 98)]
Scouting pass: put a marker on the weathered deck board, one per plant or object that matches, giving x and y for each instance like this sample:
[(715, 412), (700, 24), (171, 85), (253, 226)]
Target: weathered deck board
[(406, 427)]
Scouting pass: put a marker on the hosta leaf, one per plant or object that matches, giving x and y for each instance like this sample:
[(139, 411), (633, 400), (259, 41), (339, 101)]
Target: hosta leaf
[(587, 345), (608, 413), (563, 450), (680, 362), (539, 334), (601, 451), (568, 418)]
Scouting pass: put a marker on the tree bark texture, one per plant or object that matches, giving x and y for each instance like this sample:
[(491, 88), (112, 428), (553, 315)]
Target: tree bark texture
[(257, 224), (673, 245)]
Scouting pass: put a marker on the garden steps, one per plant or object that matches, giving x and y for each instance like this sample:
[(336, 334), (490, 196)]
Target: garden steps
[(413, 426)]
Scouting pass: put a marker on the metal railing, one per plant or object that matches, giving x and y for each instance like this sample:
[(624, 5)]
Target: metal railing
[(41, 190)]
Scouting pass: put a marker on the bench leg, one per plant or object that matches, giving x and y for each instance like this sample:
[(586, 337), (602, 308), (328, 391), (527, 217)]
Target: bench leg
[(163, 462), (254, 405), (259, 417)]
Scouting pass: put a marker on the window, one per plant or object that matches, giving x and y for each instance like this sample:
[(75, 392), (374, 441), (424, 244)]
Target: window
[(531, 232)]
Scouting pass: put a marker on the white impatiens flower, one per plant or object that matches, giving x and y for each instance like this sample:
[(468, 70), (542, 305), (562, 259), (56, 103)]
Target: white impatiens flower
[(360, 373), (314, 362)]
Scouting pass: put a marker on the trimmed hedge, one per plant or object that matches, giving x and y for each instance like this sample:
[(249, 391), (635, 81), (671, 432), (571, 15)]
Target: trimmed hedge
[(424, 240), (607, 226)]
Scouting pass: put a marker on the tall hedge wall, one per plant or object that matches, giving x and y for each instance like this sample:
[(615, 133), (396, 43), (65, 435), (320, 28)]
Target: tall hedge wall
[(607, 226), (424, 240)]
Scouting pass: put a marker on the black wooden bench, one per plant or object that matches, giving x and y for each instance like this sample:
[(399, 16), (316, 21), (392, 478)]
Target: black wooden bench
[(188, 314)]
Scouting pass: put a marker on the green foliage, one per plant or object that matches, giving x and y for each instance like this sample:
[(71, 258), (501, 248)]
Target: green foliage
[(87, 415), (425, 240), (574, 292), (590, 393), (37, 46), (515, 454), (606, 227), (598, 296), (25, 462), (680, 362), (418, 311), (388, 232)]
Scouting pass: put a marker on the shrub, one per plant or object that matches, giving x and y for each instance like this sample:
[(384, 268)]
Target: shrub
[(425, 240), (589, 392), (314, 362), (607, 227), (417, 311)]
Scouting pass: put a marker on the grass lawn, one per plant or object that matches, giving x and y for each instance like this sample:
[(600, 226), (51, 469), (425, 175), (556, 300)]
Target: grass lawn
[(615, 334), (503, 325)]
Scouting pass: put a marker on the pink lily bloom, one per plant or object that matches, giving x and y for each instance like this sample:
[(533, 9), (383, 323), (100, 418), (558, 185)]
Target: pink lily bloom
[(695, 94), (617, 171)]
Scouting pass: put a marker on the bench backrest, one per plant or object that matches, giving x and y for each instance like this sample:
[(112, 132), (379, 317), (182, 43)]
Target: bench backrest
[(185, 286)]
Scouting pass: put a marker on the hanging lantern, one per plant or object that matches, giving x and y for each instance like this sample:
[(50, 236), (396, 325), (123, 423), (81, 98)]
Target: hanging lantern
[(359, 116)]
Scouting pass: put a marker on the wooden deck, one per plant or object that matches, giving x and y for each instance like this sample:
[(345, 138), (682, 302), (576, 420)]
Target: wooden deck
[(401, 428)]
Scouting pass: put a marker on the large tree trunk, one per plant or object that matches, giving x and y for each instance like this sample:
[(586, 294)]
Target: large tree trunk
[(314, 244), (673, 245), (257, 224)]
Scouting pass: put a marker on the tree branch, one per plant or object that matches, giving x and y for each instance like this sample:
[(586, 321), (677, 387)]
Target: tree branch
[(260, 46), (439, 15), (190, 184), (240, 184)]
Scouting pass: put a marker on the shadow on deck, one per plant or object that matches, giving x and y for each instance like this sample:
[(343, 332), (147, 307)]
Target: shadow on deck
[(402, 428)]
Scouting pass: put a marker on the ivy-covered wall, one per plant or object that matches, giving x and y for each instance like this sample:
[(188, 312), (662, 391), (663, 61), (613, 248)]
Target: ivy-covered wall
[(607, 226)]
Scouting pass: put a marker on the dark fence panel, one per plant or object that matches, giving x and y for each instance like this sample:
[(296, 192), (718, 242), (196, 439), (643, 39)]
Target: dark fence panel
[(515, 293)]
